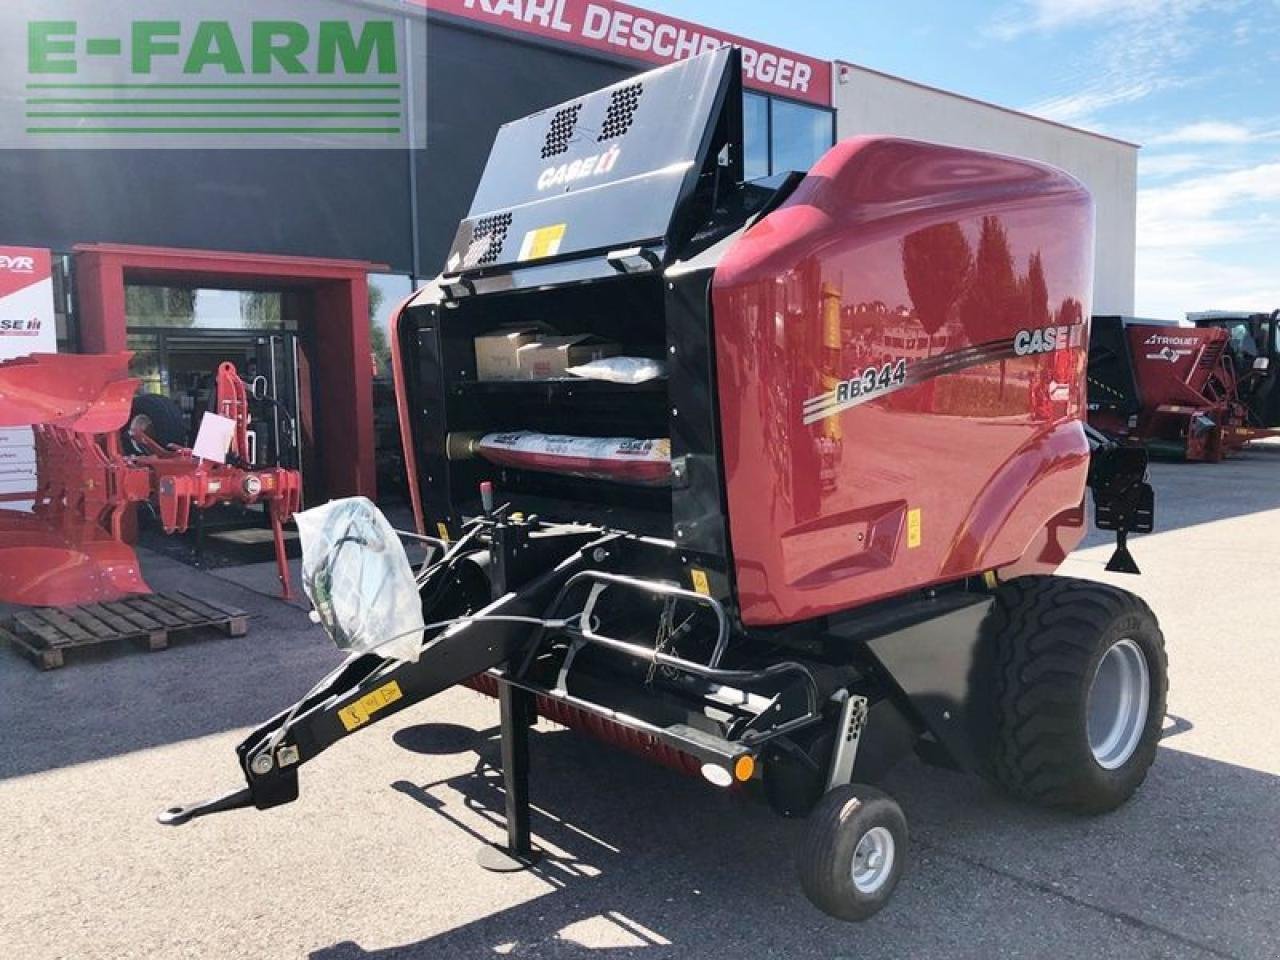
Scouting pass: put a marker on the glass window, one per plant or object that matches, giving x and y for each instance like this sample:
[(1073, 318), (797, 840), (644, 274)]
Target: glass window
[(386, 291), (149, 305), (145, 363), (755, 128), (800, 135), (68, 335)]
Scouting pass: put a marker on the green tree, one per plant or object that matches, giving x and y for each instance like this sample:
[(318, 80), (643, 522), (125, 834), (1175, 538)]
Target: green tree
[(261, 309), (936, 262), (379, 343), (992, 304), (148, 306)]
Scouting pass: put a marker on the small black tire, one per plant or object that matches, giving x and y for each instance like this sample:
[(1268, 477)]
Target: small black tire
[(159, 418), (1051, 636), (849, 828)]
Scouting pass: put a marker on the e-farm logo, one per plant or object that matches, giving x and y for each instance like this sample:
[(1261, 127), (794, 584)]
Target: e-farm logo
[(255, 75)]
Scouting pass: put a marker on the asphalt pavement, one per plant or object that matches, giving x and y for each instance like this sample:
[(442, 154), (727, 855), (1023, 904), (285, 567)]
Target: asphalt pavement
[(377, 858)]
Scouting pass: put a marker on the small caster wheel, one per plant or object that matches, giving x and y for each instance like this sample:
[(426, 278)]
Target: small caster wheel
[(853, 852)]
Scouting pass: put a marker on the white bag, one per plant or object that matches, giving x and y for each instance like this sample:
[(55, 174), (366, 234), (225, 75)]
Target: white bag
[(621, 370), (358, 578)]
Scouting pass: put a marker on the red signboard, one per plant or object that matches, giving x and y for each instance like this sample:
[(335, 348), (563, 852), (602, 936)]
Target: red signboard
[(628, 31)]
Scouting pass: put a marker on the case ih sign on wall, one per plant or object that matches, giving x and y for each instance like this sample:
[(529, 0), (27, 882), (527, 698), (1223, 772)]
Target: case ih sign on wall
[(628, 31), (26, 326)]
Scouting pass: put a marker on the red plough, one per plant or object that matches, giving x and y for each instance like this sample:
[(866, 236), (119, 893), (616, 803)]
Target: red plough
[(74, 544)]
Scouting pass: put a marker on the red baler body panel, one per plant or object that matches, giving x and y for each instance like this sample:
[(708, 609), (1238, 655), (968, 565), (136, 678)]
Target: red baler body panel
[(852, 476)]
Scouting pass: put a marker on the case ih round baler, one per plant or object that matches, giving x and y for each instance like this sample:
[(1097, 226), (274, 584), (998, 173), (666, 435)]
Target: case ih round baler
[(852, 556)]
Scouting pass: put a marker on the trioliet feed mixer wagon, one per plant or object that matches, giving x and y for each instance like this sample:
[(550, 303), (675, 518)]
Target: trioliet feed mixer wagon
[(1197, 392), (812, 547)]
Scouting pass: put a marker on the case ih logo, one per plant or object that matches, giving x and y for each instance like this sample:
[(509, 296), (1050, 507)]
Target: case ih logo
[(17, 264), (596, 165), (20, 328), (1046, 340)]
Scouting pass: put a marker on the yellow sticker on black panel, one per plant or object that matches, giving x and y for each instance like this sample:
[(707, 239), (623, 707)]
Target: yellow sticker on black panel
[(543, 242), (700, 582), (359, 712)]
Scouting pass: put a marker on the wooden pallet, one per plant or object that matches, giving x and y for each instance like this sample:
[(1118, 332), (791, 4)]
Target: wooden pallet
[(44, 635)]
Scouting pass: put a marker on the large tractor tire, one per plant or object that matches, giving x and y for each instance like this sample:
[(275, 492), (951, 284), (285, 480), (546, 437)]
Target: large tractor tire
[(1079, 686), (159, 418)]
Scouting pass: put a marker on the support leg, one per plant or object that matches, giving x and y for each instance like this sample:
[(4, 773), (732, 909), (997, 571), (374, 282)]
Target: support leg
[(282, 559), (516, 709)]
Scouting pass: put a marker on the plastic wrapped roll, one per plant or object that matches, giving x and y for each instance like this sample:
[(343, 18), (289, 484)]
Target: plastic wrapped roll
[(621, 459)]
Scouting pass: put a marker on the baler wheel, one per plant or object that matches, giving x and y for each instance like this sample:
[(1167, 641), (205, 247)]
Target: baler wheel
[(853, 852), (1078, 692)]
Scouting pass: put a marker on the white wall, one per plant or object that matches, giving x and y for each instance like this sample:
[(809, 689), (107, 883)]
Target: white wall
[(869, 102)]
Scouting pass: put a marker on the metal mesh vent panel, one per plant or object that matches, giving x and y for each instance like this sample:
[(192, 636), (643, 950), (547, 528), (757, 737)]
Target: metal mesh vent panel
[(622, 111), (561, 131), (488, 237)]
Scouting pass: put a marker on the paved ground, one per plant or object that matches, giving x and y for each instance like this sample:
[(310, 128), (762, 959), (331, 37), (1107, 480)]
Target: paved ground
[(375, 860)]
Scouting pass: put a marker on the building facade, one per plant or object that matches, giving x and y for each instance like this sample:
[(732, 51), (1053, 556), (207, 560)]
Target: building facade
[(290, 261)]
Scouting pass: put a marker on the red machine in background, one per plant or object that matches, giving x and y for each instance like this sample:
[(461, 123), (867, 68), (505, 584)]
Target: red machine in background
[(1175, 389), (74, 544)]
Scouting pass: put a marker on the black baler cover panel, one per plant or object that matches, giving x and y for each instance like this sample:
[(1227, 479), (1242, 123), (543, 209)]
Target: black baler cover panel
[(605, 171), (1112, 381)]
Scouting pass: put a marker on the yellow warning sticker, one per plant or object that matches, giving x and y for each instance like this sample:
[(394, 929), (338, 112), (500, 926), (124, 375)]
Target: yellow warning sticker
[(700, 582), (913, 528), (357, 714), (443, 529), (543, 242)]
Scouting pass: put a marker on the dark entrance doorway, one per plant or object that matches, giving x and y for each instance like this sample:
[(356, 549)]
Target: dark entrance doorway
[(302, 322)]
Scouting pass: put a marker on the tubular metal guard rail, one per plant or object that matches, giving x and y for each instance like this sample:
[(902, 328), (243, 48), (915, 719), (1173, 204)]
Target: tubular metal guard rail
[(709, 671)]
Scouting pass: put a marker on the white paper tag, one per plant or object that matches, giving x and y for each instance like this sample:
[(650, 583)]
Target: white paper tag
[(214, 438)]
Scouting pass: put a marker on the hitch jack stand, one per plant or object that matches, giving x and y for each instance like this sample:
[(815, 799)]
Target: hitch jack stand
[(516, 712)]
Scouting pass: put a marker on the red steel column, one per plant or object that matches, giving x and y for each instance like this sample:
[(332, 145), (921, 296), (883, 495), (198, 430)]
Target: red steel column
[(100, 292), (342, 388)]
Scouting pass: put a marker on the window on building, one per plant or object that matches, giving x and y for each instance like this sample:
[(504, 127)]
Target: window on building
[(198, 308), (386, 291), (780, 135), (800, 135), (68, 334), (755, 129)]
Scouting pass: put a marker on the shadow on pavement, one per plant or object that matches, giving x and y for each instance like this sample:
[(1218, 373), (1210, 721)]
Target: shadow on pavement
[(120, 701), (643, 862)]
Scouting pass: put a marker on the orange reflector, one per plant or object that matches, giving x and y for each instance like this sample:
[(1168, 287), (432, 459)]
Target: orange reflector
[(744, 767)]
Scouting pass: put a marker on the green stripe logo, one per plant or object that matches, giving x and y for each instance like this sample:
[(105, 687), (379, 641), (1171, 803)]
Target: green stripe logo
[(319, 74)]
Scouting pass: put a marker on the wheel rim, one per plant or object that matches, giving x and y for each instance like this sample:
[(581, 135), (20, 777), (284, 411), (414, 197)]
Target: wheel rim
[(1118, 700), (873, 860)]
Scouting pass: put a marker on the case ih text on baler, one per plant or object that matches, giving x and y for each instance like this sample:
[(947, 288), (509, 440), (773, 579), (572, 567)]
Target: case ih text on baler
[(852, 557)]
